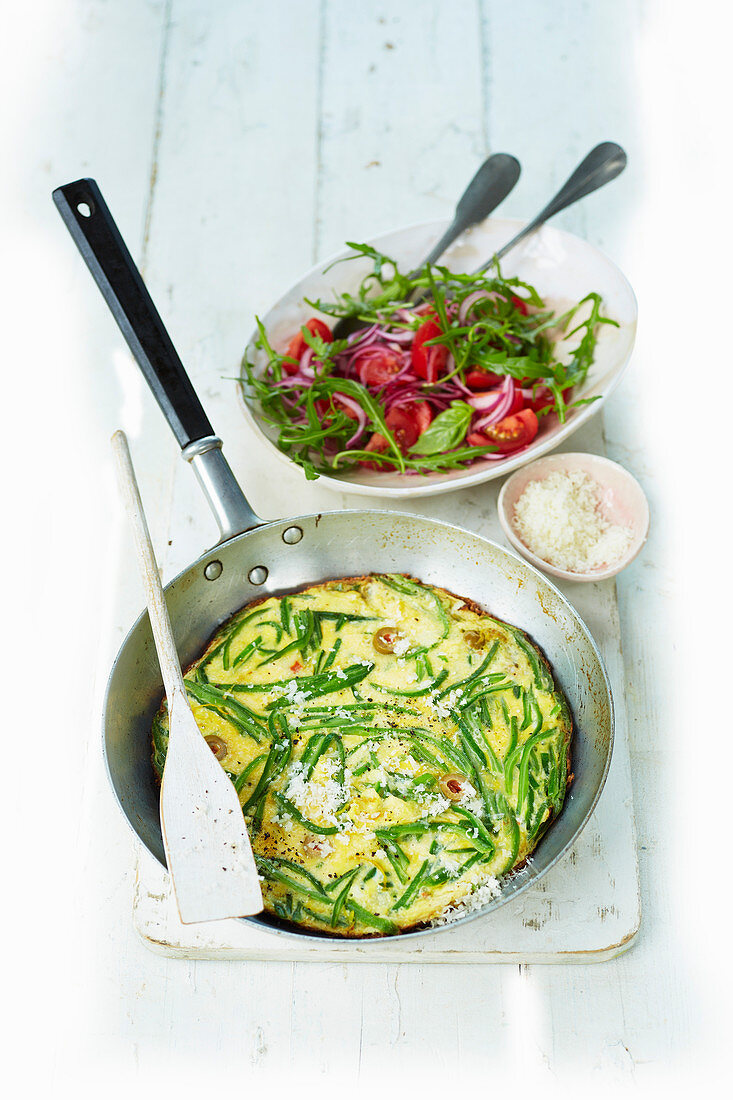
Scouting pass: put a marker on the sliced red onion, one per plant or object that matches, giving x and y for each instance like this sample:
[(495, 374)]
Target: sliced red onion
[(361, 339), (361, 334), (286, 383), (355, 437), (469, 301), (374, 351), (401, 398), (486, 400), (293, 382), (493, 456), (305, 363), (400, 337), (349, 403), (359, 413), (500, 409)]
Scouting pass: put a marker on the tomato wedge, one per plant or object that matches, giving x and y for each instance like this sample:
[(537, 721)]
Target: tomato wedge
[(378, 443), (407, 423), (482, 379), (325, 408), (543, 398), (509, 434), (297, 345), (376, 367), (520, 304), (428, 363)]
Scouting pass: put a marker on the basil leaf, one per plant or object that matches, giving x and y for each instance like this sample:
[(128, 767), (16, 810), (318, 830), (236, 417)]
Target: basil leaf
[(446, 431)]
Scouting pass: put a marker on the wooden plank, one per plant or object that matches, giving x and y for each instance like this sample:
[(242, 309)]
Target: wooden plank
[(234, 196), (594, 75), (402, 128), (555, 85), (79, 86)]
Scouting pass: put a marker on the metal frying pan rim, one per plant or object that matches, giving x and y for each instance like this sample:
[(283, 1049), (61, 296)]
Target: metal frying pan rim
[(273, 924)]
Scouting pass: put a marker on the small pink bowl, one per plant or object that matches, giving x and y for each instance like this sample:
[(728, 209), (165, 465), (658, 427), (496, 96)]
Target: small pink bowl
[(622, 501)]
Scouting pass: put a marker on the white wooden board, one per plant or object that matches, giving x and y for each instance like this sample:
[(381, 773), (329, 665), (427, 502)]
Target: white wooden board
[(585, 909)]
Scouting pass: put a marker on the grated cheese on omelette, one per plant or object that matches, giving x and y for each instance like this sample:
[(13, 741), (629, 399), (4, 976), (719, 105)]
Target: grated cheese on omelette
[(559, 520), (322, 794), (401, 646), (341, 769), (481, 896)]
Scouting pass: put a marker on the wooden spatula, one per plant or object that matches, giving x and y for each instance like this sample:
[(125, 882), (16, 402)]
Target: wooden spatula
[(206, 843)]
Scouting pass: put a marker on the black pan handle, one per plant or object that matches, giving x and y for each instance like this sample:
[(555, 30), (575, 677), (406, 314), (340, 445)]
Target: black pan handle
[(93, 228)]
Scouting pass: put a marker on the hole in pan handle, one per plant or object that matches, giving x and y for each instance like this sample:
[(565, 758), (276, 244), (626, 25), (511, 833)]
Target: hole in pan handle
[(90, 223)]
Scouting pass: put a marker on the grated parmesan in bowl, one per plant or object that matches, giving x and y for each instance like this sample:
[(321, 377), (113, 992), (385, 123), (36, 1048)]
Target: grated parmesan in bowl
[(577, 516), (559, 519)]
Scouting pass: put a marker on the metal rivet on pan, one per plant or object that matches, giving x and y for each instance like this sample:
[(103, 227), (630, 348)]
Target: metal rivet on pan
[(258, 575), (213, 570), (291, 535)]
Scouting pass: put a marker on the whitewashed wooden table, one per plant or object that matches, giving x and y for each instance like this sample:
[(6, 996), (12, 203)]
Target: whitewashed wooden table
[(237, 142)]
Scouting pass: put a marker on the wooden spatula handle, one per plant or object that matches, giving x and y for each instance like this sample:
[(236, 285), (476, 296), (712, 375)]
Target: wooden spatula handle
[(157, 608)]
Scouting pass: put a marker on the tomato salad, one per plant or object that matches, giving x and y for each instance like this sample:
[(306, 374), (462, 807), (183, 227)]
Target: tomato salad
[(465, 375)]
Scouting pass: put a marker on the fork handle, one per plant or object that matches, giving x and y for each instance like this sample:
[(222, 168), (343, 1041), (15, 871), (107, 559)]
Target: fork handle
[(603, 164)]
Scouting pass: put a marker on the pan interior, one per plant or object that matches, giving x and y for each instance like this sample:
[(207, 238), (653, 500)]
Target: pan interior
[(351, 543)]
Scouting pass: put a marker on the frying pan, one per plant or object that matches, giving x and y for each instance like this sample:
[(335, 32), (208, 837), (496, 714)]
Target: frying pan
[(255, 558)]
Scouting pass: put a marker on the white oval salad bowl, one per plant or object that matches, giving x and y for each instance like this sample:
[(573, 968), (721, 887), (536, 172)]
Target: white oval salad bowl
[(562, 267)]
